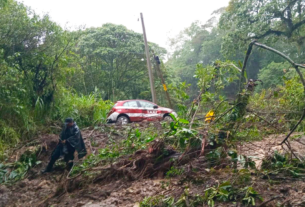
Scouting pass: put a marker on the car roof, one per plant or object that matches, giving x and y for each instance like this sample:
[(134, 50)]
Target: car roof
[(134, 100)]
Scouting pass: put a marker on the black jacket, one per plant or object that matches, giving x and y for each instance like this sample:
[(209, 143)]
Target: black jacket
[(74, 137)]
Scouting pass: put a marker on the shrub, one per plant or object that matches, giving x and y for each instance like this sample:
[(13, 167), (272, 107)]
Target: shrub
[(85, 110)]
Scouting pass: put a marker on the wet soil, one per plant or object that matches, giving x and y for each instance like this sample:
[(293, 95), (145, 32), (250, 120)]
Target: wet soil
[(54, 189)]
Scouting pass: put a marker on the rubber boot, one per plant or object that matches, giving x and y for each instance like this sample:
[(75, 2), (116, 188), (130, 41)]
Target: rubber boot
[(49, 167)]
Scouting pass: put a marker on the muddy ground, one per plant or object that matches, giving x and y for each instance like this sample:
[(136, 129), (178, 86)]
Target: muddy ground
[(46, 189)]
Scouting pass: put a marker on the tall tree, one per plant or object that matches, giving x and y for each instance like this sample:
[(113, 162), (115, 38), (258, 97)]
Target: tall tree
[(35, 46), (113, 61), (265, 19)]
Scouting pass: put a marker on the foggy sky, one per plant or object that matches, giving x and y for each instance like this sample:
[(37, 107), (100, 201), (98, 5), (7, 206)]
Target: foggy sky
[(163, 19)]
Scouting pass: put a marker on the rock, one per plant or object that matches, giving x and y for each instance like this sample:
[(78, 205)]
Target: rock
[(156, 184), (136, 205), (79, 204), (175, 182), (129, 191), (43, 185)]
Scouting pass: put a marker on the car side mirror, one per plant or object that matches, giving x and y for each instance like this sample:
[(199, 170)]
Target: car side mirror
[(155, 106)]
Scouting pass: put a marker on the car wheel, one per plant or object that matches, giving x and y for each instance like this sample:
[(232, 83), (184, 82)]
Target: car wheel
[(122, 120), (168, 118)]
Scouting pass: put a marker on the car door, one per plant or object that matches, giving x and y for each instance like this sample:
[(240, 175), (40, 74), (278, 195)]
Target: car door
[(149, 113), (133, 111)]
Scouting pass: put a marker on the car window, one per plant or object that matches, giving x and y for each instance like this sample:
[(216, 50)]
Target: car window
[(146, 104), (131, 104)]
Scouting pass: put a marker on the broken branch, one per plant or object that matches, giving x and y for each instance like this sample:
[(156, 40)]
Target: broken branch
[(279, 53), (242, 75), (301, 119)]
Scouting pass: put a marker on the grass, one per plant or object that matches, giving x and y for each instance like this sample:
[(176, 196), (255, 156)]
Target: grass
[(85, 110), (20, 124)]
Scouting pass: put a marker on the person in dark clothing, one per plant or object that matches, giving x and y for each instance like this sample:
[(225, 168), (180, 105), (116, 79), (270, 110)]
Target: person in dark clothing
[(70, 140)]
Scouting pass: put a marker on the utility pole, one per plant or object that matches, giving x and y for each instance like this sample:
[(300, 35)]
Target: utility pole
[(151, 77)]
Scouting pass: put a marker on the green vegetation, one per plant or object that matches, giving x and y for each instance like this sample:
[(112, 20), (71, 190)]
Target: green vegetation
[(173, 172), (44, 67), (160, 201), (223, 193), (48, 73), (283, 164), (12, 172), (86, 110)]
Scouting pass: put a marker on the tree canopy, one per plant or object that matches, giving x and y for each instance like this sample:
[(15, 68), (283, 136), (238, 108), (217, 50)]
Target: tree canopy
[(113, 60), (268, 20), (48, 72)]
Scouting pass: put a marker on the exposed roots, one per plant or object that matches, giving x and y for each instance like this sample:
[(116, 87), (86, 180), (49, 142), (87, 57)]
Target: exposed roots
[(143, 164)]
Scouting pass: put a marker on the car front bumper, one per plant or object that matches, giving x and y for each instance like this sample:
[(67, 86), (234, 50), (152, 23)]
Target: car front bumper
[(113, 117)]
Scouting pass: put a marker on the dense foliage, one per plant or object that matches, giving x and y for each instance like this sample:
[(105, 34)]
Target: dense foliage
[(279, 24), (48, 73)]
